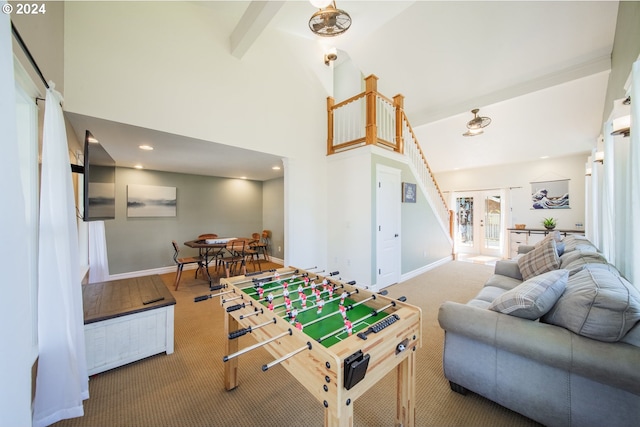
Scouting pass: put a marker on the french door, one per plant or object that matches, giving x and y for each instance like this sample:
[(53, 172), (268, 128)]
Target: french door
[(479, 222)]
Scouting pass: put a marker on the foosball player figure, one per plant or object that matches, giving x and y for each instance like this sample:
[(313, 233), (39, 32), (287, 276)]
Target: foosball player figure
[(318, 295), (343, 296), (276, 276), (285, 285), (303, 300), (324, 284), (285, 293), (293, 315), (343, 311), (298, 325), (348, 326), (300, 289), (313, 286), (320, 304), (270, 299), (330, 289), (287, 304), (260, 291), (270, 306), (306, 280)]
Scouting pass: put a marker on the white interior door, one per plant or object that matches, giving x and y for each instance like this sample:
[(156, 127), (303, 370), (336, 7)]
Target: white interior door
[(479, 222), (388, 198)]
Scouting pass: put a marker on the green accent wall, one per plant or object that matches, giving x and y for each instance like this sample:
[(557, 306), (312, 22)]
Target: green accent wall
[(227, 207)]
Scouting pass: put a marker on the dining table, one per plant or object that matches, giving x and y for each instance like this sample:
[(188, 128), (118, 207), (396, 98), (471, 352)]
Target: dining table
[(211, 249)]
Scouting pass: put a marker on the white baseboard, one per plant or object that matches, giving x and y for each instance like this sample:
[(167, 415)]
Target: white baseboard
[(164, 270), (419, 271)]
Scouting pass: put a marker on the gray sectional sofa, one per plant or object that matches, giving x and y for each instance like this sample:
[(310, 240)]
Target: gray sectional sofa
[(553, 335)]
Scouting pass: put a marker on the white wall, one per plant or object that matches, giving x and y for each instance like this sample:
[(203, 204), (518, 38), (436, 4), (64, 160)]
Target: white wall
[(349, 178), (518, 177)]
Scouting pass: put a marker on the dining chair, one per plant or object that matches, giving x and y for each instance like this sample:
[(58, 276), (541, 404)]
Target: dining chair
[(235, 257), (266, 241), (181, 262), (252, 253)]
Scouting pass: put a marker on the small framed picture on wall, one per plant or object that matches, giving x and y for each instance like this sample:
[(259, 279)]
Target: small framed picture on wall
[(408, 192)]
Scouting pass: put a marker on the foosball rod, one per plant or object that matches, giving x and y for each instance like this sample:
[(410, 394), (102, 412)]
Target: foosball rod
[(313, 305), (286, 356), (206, 297), (292, 279), (360, 320), (247, 330), (253, 280), (257, 345)]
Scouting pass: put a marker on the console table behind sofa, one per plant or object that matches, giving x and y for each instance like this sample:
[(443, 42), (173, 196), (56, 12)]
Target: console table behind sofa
[(529, 236), (126, 320)]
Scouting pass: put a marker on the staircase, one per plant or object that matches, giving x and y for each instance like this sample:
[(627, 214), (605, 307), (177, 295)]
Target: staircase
[(370, 118)]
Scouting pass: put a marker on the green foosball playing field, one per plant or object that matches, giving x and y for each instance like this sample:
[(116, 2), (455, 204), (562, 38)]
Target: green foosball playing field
[(325, 322)]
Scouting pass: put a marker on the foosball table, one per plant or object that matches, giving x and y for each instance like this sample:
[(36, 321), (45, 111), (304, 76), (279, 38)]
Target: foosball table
[(337, 339)]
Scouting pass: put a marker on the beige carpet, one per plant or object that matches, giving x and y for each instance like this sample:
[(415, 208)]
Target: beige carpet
[(186, 388)]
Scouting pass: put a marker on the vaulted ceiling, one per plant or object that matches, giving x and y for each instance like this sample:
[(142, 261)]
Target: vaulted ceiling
[(539, 69)]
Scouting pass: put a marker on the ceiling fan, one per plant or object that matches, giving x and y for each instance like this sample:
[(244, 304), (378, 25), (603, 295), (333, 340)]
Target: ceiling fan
[(329, 21), (476, 125)]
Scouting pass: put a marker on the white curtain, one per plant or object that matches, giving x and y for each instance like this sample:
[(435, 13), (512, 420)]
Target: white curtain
[(16, 356), (62, 382), (98, 263), (633, 248), (608, 201)]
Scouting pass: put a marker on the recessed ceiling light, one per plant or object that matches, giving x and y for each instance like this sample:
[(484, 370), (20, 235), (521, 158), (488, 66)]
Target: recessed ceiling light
[(145, 147), (138, 167), (276, 168), (544, 157)]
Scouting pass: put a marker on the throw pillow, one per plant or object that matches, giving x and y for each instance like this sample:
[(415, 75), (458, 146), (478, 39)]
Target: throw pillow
[(597, 304), (532, 298), (553, 235), (540, 260)]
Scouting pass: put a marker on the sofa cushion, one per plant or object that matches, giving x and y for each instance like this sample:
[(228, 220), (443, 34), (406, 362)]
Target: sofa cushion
[(633, 336), (573, 242), (575, 260), (534, 297), (597, 304), (540, 260)]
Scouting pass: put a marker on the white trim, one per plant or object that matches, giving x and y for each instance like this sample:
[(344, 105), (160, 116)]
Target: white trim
[(424, 269), (164, 270)]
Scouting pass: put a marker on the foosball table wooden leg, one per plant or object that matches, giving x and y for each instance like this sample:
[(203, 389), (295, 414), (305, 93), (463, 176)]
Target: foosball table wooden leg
[(231, 366), (339, 418), (406, 383)]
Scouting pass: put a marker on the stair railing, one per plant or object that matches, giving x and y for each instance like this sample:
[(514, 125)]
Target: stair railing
[(370, 118)]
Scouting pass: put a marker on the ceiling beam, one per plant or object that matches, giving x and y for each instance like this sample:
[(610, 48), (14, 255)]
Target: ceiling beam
[(253, 22)]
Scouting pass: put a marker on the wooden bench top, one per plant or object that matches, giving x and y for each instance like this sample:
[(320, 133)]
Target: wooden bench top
[(107, 300)]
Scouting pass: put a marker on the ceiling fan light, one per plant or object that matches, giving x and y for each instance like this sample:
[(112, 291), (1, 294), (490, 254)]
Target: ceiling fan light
[(473, 132), (330, 21), (321, 4)]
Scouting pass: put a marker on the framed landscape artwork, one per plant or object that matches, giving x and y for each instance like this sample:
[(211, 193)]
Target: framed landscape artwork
[(550, 194), (151, 201)]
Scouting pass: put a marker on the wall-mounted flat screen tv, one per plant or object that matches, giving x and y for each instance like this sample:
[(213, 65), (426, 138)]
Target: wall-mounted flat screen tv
[(99, 181)]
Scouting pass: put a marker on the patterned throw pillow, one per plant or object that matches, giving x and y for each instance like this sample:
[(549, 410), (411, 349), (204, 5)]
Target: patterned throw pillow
[(540, 260), (533, 298)]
